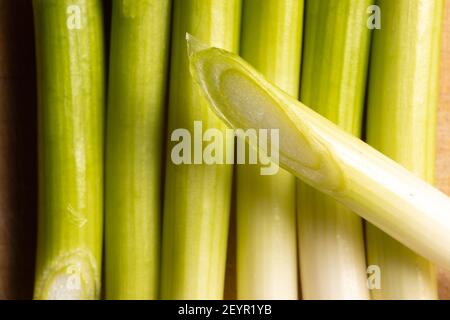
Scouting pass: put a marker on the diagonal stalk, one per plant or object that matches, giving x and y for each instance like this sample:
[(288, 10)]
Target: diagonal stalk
[(325, 156)]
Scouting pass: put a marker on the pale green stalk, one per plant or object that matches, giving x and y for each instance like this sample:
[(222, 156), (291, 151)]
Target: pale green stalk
[(336, 52), (137, 89), (197, 197), (402, 109), (70, 60), (266, 231), (325, 156)]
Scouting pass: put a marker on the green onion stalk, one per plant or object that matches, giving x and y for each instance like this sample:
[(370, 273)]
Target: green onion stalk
[(335, 61), (266, 223), (402, 112), (325, 156), (71, 97), (135, 131), (197, 194)]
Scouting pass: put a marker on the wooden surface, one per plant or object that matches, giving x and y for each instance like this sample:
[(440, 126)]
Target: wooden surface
[(443, 134), (17, 150)]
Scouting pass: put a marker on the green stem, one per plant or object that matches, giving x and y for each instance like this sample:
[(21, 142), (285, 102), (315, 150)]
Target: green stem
[(70, 60), (197, 197), (137, 87)]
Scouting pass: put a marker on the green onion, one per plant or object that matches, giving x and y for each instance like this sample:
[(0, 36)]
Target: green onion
[(325, 156), (336, 52), (70, 59), (139, 50), (266, 231), (402, 108), (197, 197)]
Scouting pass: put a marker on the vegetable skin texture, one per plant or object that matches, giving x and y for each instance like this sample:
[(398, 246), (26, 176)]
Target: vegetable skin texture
[(325, 156), (70, 64), (402, 112), (197, 196), (135, 130), (336, 54), (266, 232)]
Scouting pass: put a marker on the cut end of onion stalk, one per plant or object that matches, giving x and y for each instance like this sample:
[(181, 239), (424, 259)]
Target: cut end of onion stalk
[(241, 102), (70, 278), (325, 156), (60, 286)]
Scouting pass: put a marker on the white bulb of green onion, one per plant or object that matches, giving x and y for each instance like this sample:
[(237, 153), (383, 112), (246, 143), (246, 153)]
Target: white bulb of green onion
[(266, 231), (336, 54), (402, 112)]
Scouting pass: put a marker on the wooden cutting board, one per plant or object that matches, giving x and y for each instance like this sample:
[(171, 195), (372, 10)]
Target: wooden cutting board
[(17, 150), (443, 134)]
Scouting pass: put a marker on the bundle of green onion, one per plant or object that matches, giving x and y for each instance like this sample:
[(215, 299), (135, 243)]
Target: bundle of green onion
[(170, 152)]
